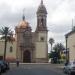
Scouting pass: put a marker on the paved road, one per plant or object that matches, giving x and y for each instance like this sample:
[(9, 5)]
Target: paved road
[(34, 70)]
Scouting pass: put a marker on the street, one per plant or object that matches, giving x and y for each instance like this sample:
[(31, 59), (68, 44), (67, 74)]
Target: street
[(34, 69)]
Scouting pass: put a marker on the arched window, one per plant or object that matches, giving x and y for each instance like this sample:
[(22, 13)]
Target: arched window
[(42, 21), (11, 49)]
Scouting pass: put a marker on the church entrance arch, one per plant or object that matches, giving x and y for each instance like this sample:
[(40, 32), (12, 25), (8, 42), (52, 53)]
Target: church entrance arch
[(27, 56)]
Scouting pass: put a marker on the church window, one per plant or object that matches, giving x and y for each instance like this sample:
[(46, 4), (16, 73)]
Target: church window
[(42, 21), (11, 49), (42, 39)]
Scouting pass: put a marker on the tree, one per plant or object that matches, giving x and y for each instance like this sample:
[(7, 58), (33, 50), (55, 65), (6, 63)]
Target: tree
[(51, 41), (58, 48), (7, 36)]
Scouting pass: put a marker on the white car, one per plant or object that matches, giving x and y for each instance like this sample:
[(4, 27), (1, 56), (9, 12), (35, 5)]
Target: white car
[(69, 68)]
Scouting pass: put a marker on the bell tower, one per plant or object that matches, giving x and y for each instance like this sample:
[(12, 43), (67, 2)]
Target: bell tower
[(41, 17), (41, 34)]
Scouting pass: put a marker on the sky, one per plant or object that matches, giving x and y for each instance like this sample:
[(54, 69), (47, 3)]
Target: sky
[(59, 17)]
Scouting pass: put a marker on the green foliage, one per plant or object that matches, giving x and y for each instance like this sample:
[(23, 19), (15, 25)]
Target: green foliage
[(6, 33), (56, 56), (49, 55), (58, 47)]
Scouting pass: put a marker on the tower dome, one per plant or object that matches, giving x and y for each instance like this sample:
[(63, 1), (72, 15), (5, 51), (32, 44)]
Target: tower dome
[(41, 8), (23, 23)]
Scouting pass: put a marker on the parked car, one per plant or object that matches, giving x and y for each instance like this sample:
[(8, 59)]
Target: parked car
[(3, 67), (0, 69), (69, 68), (6, 64)]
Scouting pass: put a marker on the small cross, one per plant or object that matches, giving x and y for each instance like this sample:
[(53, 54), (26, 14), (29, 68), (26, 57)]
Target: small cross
[(23, 14), (41, 1)]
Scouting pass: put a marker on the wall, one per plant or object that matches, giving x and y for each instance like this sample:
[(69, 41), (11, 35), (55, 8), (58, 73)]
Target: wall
[(1, 47), (10, 56), (71, 46), (41, 47)]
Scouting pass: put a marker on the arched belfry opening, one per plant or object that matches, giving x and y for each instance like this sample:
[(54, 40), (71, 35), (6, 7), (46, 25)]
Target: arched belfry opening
[(27, 56)]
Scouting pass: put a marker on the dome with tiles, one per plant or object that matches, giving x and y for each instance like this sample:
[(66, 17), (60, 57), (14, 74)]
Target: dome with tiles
[(23, 23)]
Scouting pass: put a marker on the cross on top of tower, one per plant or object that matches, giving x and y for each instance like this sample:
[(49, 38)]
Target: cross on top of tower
[(41, 1), (23, 15)]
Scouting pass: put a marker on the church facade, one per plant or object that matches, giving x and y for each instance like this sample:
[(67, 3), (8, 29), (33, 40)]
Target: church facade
[(32, 47)]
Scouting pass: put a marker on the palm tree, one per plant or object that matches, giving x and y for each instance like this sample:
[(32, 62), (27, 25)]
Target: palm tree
[(51, 41), (6, 35)]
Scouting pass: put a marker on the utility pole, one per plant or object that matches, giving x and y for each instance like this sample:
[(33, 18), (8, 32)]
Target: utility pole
[(67, 55), (72, 24)]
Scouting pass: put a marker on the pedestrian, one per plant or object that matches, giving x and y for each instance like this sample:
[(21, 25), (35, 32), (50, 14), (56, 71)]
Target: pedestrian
[(17, 62)]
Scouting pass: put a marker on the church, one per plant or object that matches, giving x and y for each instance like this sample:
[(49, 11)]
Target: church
[(32, 47)]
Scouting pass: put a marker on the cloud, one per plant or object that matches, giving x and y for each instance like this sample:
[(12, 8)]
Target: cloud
[(59, 18), (10, 18), (60, 28)]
